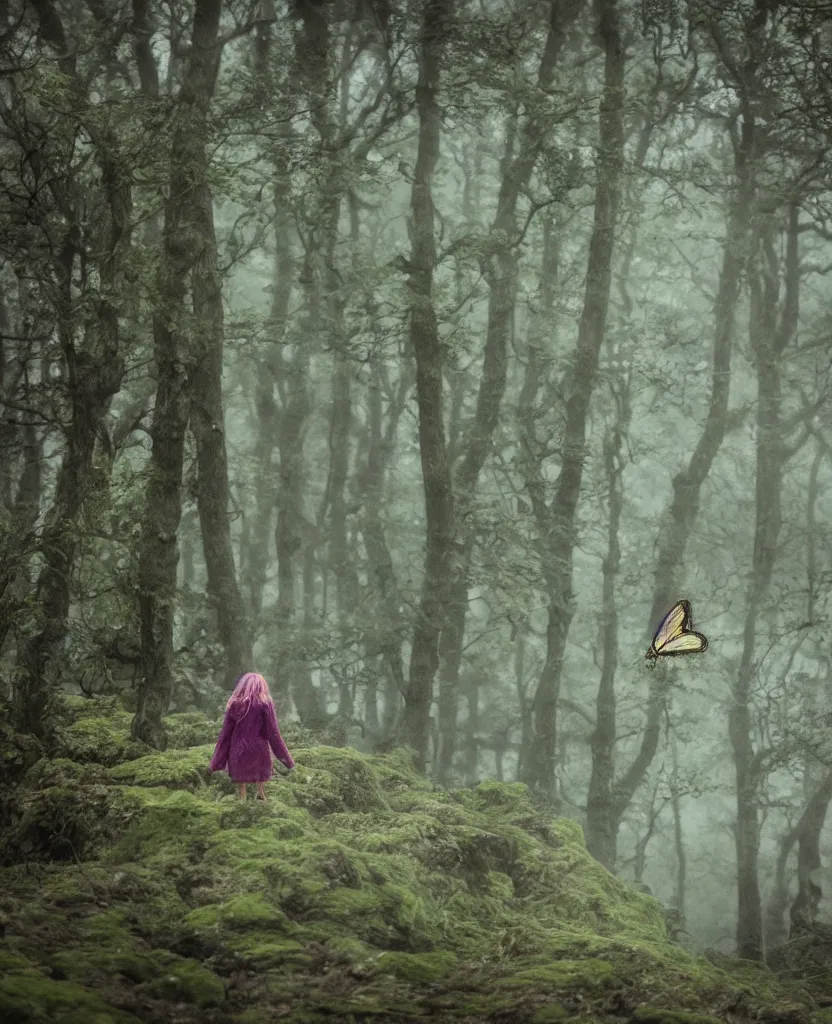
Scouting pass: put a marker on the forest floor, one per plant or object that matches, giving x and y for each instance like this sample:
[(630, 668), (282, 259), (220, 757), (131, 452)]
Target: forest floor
[(138, 888)]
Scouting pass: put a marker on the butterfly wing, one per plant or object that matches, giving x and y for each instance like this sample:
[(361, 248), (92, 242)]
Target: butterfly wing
[(685, 643), (674, 624)]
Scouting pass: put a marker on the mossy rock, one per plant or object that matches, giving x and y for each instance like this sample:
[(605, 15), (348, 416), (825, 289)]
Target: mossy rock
[(342, 775), (60, 771), (62, 812), (176, 769), (73, 707), (191, 729), (551, 1014), (105, 741), (241, 913), (18, 752), (650, 1015), (586, 974), (167, 823), (27, 996), (185, 981), (806, 958), (418, 968), (396, 773)]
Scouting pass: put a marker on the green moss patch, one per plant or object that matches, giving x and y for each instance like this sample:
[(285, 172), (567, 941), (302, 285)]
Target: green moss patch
[(649, 1015), (103, 740), (28, 995), (419, 968), (177, 769), (357, 891), (191, 729)]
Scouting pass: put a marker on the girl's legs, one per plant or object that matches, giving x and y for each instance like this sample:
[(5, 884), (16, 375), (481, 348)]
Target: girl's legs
[(242, 790), (261, 792)]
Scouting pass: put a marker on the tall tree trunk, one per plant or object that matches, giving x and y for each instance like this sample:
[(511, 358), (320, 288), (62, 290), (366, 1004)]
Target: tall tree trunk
[(601, 821), (14, 570), (383, 644), (94, 371), (182, 242), (683, 508), (427, 349), (560, 537), (501, 276), (680, 886), (815, 789), (804, 908), (292, 536), (768, 340), (340, 429), (7, 390), (806, 833), (272, 373), (295, 535), (450, 659), (523, 703), (207, 423), (600, 835), (472, 728)]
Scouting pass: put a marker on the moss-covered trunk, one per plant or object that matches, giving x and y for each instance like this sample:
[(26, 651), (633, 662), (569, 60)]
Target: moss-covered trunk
[(92, 359), (22, 515), (340, 561), (472, 727), (182, 244)]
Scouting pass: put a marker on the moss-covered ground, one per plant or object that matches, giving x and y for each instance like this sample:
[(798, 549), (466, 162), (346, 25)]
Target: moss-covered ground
[(138, 888)]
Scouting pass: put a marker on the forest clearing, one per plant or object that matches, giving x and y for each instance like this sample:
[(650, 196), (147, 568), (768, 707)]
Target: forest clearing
[(438, 361)]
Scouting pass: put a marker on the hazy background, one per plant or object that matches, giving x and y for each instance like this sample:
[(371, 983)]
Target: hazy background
[(216, 288)]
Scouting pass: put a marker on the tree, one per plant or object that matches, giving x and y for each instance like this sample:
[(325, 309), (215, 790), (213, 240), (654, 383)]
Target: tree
[(91, 356), (559, 516), (427, 350), (523, 144), (680, 515), (188, 372)]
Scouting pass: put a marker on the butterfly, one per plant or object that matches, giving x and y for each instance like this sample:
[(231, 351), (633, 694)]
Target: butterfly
[(676, 635)]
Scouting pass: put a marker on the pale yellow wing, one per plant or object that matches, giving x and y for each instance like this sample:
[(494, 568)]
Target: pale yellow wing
[(686, 643), (673, 624)]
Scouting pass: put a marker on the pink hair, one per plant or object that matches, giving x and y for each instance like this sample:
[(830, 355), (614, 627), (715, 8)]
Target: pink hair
[(249, 688)]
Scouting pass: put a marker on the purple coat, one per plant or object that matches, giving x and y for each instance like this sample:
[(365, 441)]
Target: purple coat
[(244, 741)]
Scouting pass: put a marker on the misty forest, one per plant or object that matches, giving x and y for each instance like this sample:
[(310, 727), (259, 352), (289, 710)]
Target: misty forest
[(419, 355)]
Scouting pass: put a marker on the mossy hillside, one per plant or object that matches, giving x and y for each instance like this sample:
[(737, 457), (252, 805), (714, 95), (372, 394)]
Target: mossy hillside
[(358, 889)]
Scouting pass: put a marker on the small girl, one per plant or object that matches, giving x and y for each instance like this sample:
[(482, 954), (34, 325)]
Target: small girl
[(249, 729)]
